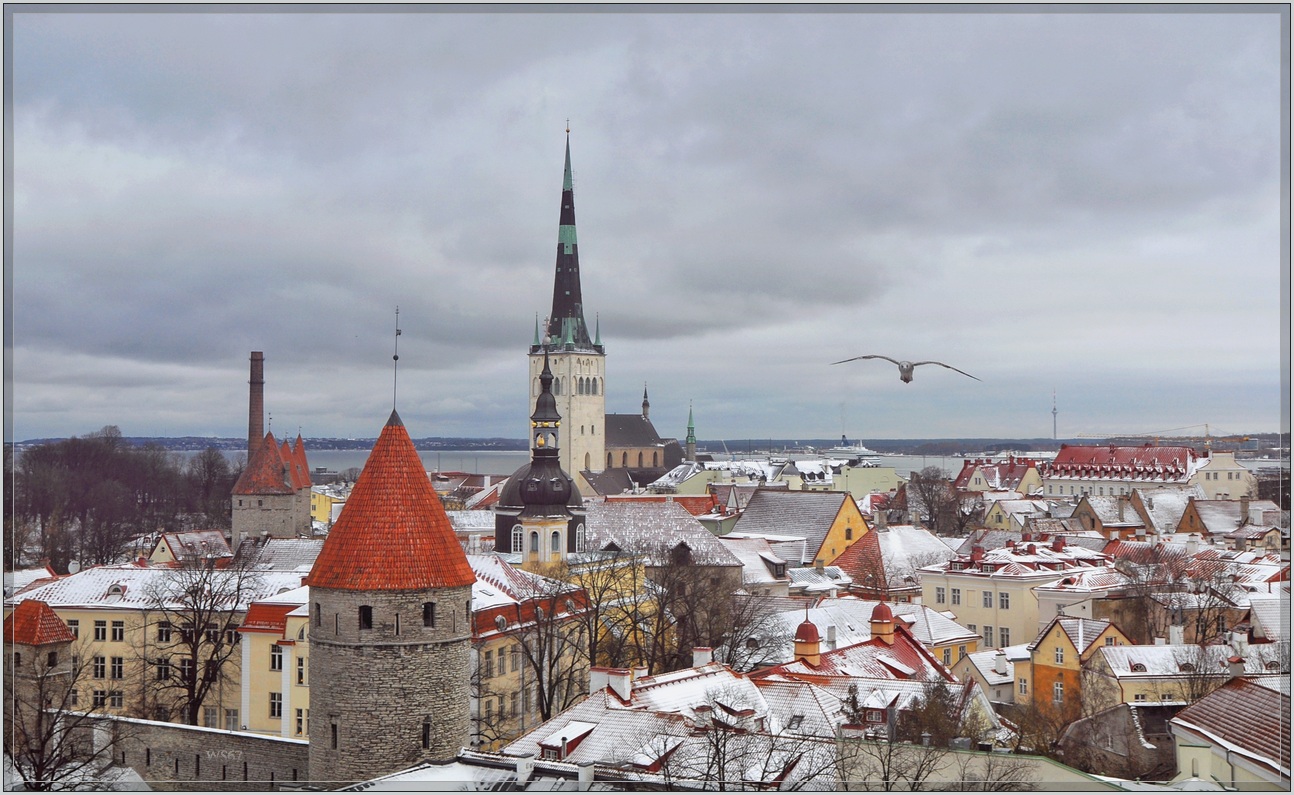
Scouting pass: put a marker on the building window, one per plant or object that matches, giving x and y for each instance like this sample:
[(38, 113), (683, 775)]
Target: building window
[(51, 659), (516, 702), (301, 722), (186, 669), (301, 670), (579, 538), (1004, 637), (988, 634), (516, 657), (1003, 600), (100, 667), (1109, 641), (276, 705), (957, 596), (75, 626), (100, 699), (429, 614), (365, 617), (556, 542), (276, 657), (119, 631), (534, 542), (117, 669), (74, 697), (115, 699), (948, 656), (426, 733), (231, 720), (1024, 686), (163, 631), (1060, 655), (101, 630), (940, 595), (211, 717), (517, 538), (1139, 697), (988, 599), (333, 727), (961, 652), (318, 615), (488, 671), (1058, 693)]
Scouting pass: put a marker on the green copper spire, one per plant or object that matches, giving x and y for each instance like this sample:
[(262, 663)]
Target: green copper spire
[(597, 330), (536, 342), (691, 427)]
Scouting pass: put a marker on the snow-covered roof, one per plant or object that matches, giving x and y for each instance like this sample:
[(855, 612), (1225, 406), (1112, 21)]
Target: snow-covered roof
[(653, 528), (757, 558), (1166, 504), (128, 586), (1175, 661)]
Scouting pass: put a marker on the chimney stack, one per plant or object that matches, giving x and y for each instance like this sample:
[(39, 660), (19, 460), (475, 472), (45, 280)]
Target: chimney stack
[(620, 681), (999, 662), (256, 404), (702, 655)]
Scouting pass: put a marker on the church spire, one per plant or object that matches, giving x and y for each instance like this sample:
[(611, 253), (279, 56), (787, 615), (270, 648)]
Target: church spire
[(568, 302)]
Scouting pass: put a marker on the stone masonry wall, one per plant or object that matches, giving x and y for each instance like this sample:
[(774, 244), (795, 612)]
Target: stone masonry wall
[(374, 689), (176, 757)]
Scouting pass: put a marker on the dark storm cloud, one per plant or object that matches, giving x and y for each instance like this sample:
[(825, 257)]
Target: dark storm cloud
[(1050, 199)]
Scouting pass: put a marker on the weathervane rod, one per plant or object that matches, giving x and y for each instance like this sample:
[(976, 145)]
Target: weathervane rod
[(395, 359)]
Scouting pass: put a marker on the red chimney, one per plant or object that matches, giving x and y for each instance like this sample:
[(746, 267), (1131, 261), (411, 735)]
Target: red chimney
[(256, 404)]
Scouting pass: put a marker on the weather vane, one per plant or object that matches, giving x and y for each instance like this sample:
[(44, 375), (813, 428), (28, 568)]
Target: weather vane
[(395, 359)]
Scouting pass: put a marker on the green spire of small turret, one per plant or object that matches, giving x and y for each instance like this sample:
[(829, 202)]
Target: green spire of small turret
[(597, 330), (691, 427), (536, 342)]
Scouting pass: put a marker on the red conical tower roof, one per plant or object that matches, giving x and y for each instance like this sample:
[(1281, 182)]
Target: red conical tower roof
[(34, 623), (393, 534)]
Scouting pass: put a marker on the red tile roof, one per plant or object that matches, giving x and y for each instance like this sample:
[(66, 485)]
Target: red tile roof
[(1246, 716), (266, 617), (34, 623), (267, 472), (1126, 462), (393, 534)]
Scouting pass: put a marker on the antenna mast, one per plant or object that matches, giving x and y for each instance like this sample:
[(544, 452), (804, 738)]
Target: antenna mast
[(1053, 416), (395, 359)]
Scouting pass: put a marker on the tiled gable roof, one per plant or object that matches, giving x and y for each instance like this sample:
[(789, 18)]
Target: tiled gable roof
[(196, 544), (393, 534), (34, 623), (806, 514), (1149, 463), (630, 430), (1245, 716)]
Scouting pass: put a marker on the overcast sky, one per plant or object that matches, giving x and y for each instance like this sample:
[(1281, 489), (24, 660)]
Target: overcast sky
[(1085, 203)]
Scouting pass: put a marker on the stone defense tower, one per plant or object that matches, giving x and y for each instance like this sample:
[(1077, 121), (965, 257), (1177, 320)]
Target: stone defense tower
[(390, 626), (578, 362), (540, 512)]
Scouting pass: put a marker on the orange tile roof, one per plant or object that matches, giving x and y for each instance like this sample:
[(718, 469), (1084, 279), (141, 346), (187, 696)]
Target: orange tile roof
[(393, 534), (34, 623), (265, 472), (263, 617)]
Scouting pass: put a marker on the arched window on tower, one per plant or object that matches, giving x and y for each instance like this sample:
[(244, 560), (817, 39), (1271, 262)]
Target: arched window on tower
[(587, 460), (640, 459), (609, 461), (655, 458), (556, 543), (534, 542), (624, 459), (557, 386), (517, 540), (597, 389), (579, 538)]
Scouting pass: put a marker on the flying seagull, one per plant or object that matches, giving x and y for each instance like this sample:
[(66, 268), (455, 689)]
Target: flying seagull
[(905, 368)]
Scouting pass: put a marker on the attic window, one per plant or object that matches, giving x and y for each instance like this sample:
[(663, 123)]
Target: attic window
[(1187, 667), (1140, 668), (1273, 665), (501, 623)]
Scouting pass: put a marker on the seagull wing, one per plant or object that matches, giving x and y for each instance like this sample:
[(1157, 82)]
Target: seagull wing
[(869, 356), (949, 366)]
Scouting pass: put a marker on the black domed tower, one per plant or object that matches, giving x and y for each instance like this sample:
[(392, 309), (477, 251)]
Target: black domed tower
[(540, 514)]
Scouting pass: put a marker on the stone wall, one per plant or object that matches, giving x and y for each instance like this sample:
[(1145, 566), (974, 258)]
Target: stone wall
[(383, 699), (176, 757)]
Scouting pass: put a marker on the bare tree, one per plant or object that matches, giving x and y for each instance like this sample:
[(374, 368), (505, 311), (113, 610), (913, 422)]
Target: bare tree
[(49, 733), (548, 629), (934, 502), (192, 617), (737, 745), (754, 629)]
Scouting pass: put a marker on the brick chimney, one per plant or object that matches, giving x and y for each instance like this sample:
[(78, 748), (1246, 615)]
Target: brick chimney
[(256, 404), (702, 655)]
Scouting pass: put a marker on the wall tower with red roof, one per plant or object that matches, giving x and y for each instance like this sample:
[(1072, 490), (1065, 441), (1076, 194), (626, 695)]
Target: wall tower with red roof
[(390, 625)]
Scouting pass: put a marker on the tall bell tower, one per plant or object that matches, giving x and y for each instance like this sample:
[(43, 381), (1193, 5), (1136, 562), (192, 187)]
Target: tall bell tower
[(578, 362)]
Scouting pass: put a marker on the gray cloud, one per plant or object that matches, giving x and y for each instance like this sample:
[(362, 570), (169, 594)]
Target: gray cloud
[(1082, 201)]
